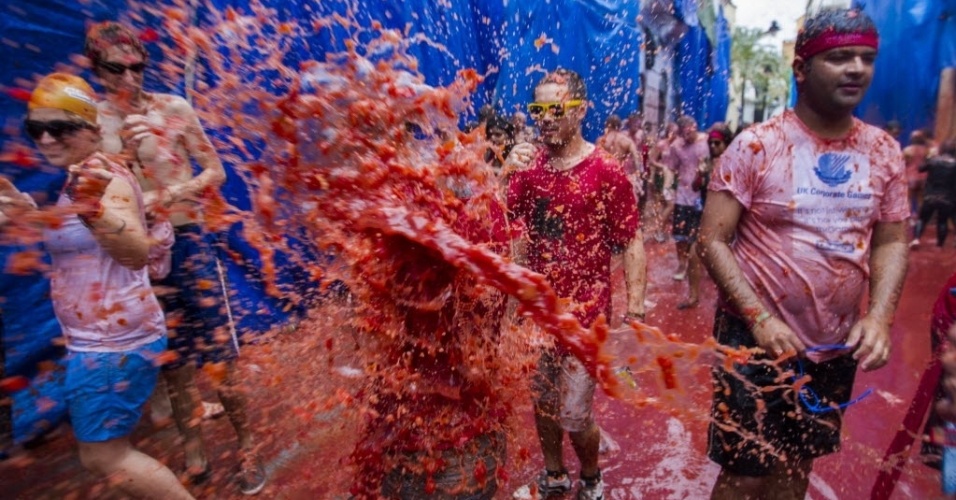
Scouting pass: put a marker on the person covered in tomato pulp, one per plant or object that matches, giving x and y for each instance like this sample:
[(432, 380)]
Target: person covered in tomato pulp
[(806, 212), (99, 286), (578, 209), (161, 135)]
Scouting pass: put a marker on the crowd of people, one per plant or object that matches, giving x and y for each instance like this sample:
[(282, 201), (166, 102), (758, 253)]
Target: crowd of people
[(796, 220)]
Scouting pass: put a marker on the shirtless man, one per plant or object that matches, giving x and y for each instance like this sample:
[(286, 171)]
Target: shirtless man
[(619, 144), (160, 134)]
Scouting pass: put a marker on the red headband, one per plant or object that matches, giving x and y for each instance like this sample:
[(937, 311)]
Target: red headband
[(716, 135), (831, 40)]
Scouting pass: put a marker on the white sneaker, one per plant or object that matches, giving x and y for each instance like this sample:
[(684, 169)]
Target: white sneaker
[(914, 243), (592, 491), (680, 276)]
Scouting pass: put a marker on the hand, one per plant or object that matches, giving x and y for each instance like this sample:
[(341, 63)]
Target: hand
[(11, 197), (871, 338), (88, 182), (777, 339), (520, 157), (158, 200), (139, 138)]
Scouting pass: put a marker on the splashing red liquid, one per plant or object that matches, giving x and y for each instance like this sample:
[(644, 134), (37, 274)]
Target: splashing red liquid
[(367, 162)]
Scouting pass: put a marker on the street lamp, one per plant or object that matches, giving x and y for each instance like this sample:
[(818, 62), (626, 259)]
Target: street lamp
[(773, 29)]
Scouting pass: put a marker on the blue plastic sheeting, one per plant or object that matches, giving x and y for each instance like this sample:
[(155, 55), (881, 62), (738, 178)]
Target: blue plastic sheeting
[(599, 40), (917, 41), (719, 98), (686, 12), (495, 38), (703, 72), (692, 67)]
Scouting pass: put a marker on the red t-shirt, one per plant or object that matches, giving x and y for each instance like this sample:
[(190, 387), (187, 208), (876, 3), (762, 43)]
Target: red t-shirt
[(575, 220)]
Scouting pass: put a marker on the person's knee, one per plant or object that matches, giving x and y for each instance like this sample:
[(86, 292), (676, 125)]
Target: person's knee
[(100, 458), (546, 412), (587, 431)]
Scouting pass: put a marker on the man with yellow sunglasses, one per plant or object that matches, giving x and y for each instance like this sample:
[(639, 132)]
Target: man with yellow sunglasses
[(579, 209)]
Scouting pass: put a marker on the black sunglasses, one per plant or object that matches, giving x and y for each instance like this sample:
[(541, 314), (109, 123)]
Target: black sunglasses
[(119, 69), (56, 128)]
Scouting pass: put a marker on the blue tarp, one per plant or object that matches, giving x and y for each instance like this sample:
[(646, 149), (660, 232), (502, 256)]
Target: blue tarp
[(601, 40), (917, 41), (703, 70), (719, 99)]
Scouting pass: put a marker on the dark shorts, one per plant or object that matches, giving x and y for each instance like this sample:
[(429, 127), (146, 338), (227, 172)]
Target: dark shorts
[(686, 223), (748, 442), (193, 300)]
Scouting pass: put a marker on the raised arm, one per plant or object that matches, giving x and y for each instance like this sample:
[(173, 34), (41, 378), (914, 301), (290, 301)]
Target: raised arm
[(202, 150), (110, 209)]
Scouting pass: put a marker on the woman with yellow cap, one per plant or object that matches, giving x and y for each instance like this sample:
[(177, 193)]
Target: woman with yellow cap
[(100, 289)]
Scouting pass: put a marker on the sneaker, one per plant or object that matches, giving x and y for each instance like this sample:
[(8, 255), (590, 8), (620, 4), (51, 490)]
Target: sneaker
[(547, 484), (914, 243), (680, 276), (591, 489), (251, 476)]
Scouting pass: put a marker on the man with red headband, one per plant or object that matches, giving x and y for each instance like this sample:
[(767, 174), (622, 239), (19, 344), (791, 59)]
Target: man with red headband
[(804, 211)]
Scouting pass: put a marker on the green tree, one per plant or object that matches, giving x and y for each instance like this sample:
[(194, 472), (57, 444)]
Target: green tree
[(759, 65)]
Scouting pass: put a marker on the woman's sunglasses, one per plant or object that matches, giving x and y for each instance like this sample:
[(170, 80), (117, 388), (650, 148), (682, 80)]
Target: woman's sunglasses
[(119, 69), (554, 109), (56, 128)]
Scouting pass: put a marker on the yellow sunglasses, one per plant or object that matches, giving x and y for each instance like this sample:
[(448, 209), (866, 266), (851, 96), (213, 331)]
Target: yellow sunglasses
[(554, 109)]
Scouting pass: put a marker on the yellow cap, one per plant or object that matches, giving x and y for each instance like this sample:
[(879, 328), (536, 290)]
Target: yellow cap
[(66, 92)]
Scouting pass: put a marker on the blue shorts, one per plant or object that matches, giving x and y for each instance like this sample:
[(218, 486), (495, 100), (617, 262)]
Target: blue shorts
[(193, 300), (106, 391)]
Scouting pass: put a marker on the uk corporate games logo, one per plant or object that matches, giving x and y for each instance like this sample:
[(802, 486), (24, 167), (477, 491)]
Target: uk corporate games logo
[(831, 169)]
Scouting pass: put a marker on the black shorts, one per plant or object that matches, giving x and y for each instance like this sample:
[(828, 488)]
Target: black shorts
[(686, 223), (746, 443), (194, 298)]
